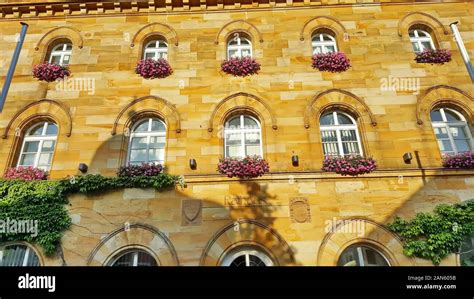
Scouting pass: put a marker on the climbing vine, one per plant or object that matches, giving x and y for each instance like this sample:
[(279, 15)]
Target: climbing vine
[(44, 202), (434, 236)]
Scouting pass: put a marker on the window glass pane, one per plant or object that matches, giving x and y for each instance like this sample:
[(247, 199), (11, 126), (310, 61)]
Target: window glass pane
[(462, 145), (344, 120), (416, 47), (245, 52), (426, 45), (330, 49), (327, 120), (233, 53), (66, 59), (142, 127), (445, 145), (144, 259), (250, 123), (251, 150), (441, 133), (37, 130), (436, 115), (329, 139), (56, 59), (48, 146), (31, 147), (317, 50), (69, 47), (157, 126), (149, 55), (451, 116), (45, 159), (52, 129), (27, 160), (349, 257), (156, 154), (244, 41), (423, 34), (139, 142), (233, 123), (157, 141), (252, 138), (327, 37), (138, 155), (361, 255), (14, 255), (458, 132), (233, 151), (411, 33), (151, 45)]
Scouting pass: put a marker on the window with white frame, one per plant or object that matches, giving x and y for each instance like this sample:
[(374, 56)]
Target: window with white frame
[(339, 134), (147, 142), (61, 54), (18, 255), (451, 130), (38, 146), (359, 255), (247, 257), (242, 137), (323, 43), (421, 40), (239, 46), (133, 258), (156, 49)]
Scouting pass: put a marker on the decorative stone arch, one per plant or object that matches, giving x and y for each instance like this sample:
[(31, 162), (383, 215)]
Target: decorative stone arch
[(447, 96), (323, 22), (337, 98), (44, 108), (233, 27), (61, 32), (424, 19), (141, 106), (348, 232), (250, 233), (241, 101), (156, 28), (138, 236)]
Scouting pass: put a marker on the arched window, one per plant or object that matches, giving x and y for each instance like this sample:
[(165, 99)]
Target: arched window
[(38, 146), (339, 134), (156, 49), (361, 255), (451, 130), (18, 255), (247, 257), (323, 42), (147, 142), (61, 53), (421, 40), (242, 136), (133, 258), (239, 45)]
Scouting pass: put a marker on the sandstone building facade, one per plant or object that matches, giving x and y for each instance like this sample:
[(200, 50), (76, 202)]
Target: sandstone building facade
[(282, 217)]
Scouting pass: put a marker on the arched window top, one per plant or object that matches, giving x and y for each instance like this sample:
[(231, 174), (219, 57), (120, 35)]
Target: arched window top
[(60, 52), (362, 255), (133, 258), (421, 38), (18, 255), (38, 146), (43, 129), (242, 136), (149, 125), (155, 48), (452, 131), (336, 118), (147, 142), (239, 45), (323, 41), (247, 256)]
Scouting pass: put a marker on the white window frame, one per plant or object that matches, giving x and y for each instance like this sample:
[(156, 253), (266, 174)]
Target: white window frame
[(41, 138), (242, 131), (447, 125), (147, 134), (28, 251), (419, 39), (318, 41), (61, 51), (362, 256), (158, 51), (338, 128), (230, 257), (134, 253), (239, 47)]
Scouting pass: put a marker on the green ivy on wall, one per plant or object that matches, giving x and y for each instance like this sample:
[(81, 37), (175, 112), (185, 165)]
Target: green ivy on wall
[(43, 201), (435, 236)]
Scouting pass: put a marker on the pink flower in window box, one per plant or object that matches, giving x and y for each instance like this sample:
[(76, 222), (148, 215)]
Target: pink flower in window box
[(349, 165), (153, 69), (240, 66), (248, 167), (27, 173), (459, 161), (437, 56), (50, 72), (335, 62)]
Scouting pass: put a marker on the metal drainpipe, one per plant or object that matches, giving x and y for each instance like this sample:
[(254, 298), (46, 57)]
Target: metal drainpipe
[(11, 70), (462, 49)]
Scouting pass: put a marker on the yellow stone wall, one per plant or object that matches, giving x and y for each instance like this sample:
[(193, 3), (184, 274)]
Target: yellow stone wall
[(287, 95)]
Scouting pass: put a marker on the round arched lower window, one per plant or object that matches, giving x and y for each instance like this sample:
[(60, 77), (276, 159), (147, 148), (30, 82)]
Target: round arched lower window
[(361, 255), (133, 258), (452, 131), (38, 146), (17, 255), (247, 257)]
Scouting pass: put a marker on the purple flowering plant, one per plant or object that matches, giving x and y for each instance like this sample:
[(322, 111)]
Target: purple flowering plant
[(26, 173), (240, 66), (153, 69), (145, 169), (50, 72), (463, 160), (335, 62), (436, 56), (349, 165), (248, 167)]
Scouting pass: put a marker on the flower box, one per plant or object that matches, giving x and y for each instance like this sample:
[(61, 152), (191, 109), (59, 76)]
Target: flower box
[(240, 66), (28, 173), (439, 56), (459, 161), (153, 69), (335, 62), (145, 169), (248, 167), (349, 165), (50, 72)]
